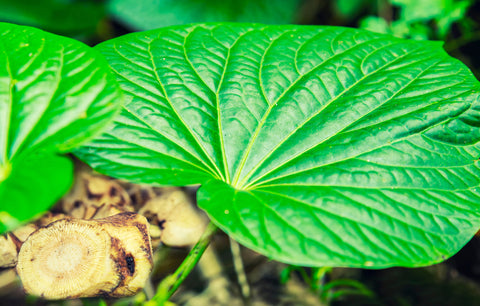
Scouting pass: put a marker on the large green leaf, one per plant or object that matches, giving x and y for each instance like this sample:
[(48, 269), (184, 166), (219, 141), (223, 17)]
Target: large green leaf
[(55, 93), (152, 14), (314, 145)]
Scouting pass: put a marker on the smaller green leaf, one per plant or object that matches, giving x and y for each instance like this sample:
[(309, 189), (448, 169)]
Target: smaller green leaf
[(55, 93), (33, 185), (375, 24), (455, 12)]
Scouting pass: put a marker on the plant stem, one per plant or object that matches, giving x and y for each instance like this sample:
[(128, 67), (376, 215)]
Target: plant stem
[(171, 283), (239, 269), (318, 278), (148, 290), (385, 10)]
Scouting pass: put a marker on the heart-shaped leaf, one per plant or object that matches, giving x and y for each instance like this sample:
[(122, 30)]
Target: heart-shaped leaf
[(314, 145), (55, 93)]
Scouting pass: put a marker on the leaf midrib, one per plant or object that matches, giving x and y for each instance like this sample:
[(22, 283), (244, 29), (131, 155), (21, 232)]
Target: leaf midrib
[(217, 101), (259, 127), (247, 185), (222, 176)]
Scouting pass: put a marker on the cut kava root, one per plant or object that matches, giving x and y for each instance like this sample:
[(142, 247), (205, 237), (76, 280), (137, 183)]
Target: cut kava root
[(98, 239), (73, 258)]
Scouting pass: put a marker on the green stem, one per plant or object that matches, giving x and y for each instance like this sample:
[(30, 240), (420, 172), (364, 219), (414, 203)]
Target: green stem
[(318, 278), (240, 270), (171, 283)]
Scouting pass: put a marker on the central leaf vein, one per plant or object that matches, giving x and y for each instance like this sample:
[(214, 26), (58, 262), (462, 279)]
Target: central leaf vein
[(217, 100), (274, 103), (318, 112)]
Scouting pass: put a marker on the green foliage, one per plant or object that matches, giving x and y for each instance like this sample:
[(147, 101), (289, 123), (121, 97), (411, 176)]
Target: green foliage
[(327, 291), (350, 9), (416, 17), (399, 28), (55, 93), (152, 14), (375, 24), (314, 145), (443, 12), (74, 17), (340, 288)]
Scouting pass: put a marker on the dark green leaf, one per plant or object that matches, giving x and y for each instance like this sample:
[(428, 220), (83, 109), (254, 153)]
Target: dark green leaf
[(73, 17), (350, 9), (55, 93), (152, 14), (320, 146)]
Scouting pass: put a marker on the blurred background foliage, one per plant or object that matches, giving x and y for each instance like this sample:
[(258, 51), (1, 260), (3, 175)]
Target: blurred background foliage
[(456, 22), (151, 14)]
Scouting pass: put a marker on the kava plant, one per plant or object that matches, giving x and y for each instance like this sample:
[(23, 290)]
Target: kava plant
[(315, 146)]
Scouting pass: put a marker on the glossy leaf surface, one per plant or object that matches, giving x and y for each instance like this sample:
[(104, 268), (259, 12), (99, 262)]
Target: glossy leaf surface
[(55, 93), (320, 146)]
